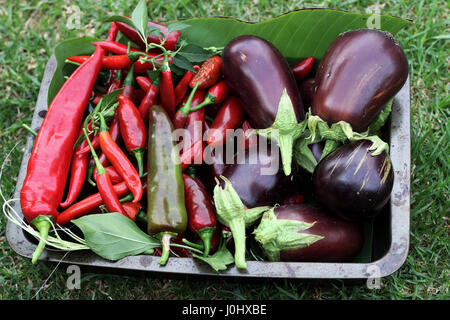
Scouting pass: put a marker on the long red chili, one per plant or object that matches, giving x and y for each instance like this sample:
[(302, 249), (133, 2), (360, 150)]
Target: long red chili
[(201, 215), (189, 156), (195, 120), (181, 115), (112, 33), (230, 116), (144, 82), (182, 86), (216, 94), (49, 163), (167, 94), (116, 47), (120, 161), (209, 73), (169, 43), (88, 205), (150, 99), (132, 130), (303, 68), (104, 184), (78, 170)]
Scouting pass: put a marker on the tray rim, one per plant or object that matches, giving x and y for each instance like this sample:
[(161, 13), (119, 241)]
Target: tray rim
[(400, 147)]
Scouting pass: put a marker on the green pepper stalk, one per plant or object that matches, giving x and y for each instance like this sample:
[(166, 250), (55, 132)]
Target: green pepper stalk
[(232, 213)]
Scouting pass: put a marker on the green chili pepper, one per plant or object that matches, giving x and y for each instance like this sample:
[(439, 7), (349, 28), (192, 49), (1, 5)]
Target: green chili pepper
[(166, 213)]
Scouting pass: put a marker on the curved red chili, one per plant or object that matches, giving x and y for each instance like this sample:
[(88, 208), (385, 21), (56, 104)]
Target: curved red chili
[(167, 94), (78, 170), (104, 184), (182, 86), (189, 156), (108, 62), (112, 33), (208, 74), (144, 82), (303, 68), (43, 187), (132, 209), (181, 115), (201, 215), (230, 116), (120, 161), (132, 130), (194, 121), (88, 205), (116, 47)]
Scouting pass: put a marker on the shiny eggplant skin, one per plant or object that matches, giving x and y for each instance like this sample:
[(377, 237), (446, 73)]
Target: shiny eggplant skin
[(257, 74), (359, 73), (254, 187), (352, 183), (342, 241), (306, 88)]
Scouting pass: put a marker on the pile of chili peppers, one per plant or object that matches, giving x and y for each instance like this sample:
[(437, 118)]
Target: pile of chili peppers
[(116, 158)]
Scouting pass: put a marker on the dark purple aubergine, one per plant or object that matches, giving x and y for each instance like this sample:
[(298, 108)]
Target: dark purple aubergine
[(359, 73), (257, 74), (352, 183), (256, 187), (342, 240)]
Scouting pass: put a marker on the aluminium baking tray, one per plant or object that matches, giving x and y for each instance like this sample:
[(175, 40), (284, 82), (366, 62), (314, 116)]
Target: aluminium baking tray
[(390, 229)]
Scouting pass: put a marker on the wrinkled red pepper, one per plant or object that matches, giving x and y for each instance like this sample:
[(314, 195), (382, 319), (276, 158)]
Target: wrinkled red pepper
[(49, 163), (208, 74)]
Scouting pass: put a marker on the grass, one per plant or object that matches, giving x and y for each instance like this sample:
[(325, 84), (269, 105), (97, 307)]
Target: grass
[(30, 30)]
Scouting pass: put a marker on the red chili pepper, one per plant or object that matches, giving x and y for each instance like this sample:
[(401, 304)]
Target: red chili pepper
[(303, 68), (128, 83), (151, 98), (108, 62), (132, 209), (117, 82), (132, 130), (144, 82), (189, 156), (209, 73), (201, 216), (169, 44), (115, 177), (114, 132), (78, 170), (112, 33), (120, 161), (167, 94), (49, 163), (230, 116), (85, 148), (181, 115), (194, 121), (182, 86), (104, 184), (88, 205), (295, 199), (216, 94), (116, 47)]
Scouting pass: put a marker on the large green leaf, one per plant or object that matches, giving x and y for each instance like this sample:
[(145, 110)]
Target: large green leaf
[(296, 34), (71, 47)]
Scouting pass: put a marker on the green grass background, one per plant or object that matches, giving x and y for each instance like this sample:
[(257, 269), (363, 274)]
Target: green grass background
[(29, 30)]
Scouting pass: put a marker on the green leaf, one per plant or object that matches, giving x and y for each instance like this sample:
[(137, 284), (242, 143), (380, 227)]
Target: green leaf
[(194, 53), (72, 47), (177, 26), (219, 260), (113, 236), (296, 34), (182, 63), (139, 17)]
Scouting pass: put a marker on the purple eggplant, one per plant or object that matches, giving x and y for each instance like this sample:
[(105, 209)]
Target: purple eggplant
[(306, 88), (259, 76), (359, 73), (352, 183), (326, 238), (258, 178)]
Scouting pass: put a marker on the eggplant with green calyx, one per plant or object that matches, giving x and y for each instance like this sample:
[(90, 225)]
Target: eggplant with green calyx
[(259, 76), (353, 183), (307, 233), (360, 72), (257, 177)]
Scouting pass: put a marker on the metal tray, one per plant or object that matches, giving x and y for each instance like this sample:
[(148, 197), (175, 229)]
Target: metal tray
[(391, 229)]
